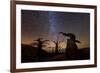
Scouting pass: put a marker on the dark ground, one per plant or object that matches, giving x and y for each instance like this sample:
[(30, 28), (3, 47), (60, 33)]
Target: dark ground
[(31, 54)]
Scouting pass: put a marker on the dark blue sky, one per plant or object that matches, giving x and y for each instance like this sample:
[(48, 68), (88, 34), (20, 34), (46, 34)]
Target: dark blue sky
[(47, 24)]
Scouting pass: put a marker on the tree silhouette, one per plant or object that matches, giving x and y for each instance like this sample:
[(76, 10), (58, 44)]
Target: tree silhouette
[(72, 48), (56, 48), (40, 45)]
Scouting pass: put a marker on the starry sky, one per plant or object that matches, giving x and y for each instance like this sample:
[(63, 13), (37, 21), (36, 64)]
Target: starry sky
[(47, 24)]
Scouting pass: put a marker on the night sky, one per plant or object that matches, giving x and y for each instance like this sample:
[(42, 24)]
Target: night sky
[(47, 24)]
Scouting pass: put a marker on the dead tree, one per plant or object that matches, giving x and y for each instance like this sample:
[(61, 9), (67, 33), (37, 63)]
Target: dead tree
[(71, 48)]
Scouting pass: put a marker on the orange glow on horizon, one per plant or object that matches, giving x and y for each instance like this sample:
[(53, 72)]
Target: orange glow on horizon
[(61, 45)]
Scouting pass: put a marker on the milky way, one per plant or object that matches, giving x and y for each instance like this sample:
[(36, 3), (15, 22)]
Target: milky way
[(47, 24)]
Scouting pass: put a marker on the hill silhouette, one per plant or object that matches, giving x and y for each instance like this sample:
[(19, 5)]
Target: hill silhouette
[(83, 54), (30, 54)]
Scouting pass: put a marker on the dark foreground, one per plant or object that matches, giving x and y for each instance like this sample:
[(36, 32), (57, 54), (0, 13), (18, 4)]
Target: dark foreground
[(32, 54)]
